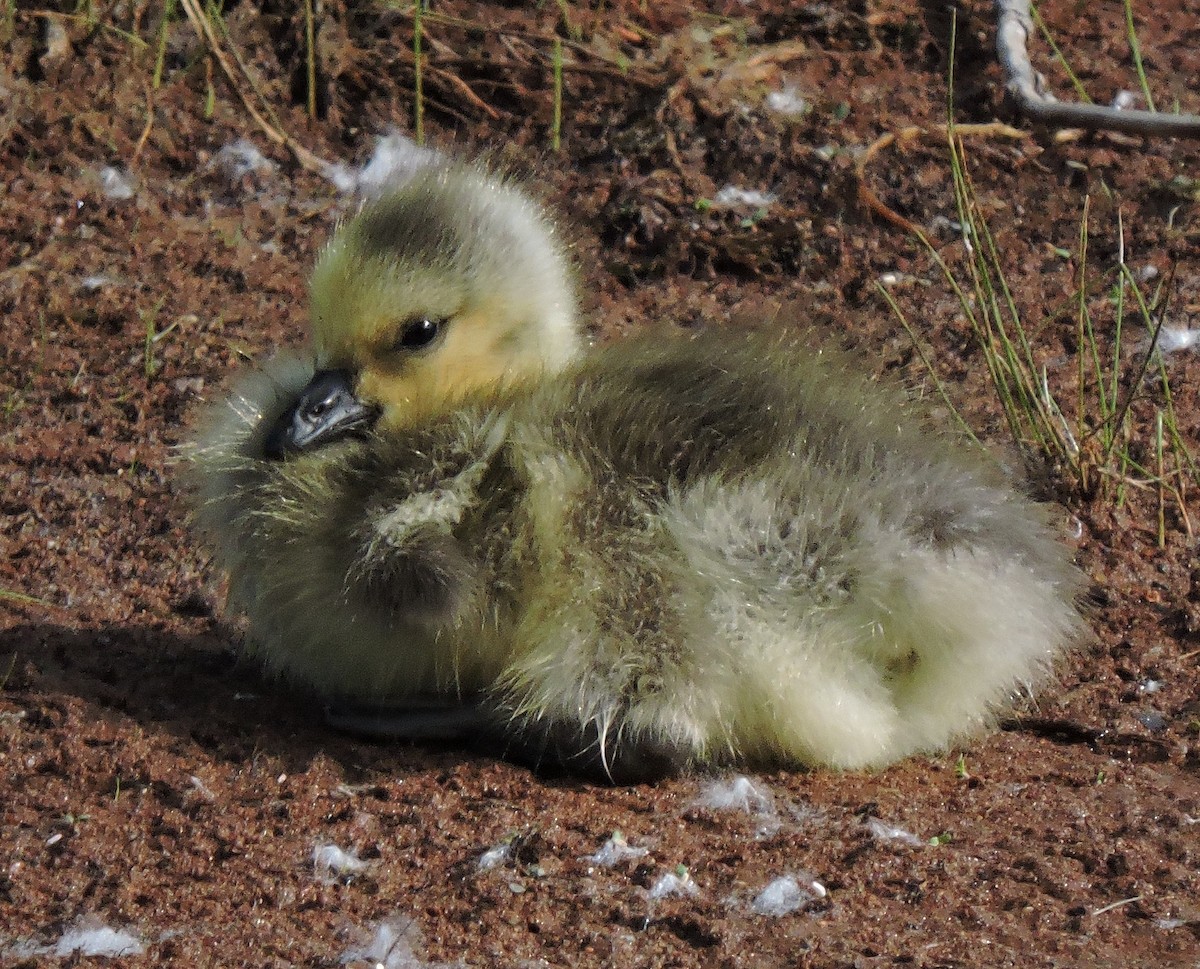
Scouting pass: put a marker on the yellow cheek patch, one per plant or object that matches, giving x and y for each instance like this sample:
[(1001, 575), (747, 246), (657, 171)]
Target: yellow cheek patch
[(474, 356)]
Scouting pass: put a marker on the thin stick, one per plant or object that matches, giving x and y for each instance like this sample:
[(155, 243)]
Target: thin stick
[(867, 196), (418, 82), (1122, 902), (556, 131), (310, 51), (465, 90), (145, 135)]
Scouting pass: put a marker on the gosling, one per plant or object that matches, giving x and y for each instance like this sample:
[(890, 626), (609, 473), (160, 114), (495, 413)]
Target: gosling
[(659, 555)]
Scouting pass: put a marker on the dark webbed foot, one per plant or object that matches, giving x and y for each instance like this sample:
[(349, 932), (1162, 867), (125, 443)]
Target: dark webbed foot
[(546, 750), (432, 718), (578, 751)]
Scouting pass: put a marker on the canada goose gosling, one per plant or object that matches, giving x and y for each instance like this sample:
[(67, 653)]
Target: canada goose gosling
[(660, 554)]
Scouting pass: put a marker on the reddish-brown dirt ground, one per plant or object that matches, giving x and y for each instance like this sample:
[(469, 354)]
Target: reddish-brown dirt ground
[(154, 783)]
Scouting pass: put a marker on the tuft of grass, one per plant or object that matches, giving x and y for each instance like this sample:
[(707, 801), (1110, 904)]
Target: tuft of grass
[(1120, 431), (1119, 434)]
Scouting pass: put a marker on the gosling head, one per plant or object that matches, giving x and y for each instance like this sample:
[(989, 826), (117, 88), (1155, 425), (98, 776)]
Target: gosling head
[(450, 286)]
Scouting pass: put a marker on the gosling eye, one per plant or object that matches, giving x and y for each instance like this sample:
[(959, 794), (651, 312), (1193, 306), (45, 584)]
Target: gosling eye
[(418, 333)]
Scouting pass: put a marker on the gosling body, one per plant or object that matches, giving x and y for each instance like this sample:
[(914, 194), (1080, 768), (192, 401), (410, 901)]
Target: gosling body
[(656, 555)]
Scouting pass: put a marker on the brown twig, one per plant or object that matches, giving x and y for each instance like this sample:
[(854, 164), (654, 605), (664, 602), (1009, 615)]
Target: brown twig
[(610, 67), (145, 135), (866, 195), (463, 88), (207, 35), (871, 201)]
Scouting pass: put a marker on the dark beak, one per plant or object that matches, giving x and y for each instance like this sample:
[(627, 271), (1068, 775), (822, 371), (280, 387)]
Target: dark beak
[(325, 411)]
